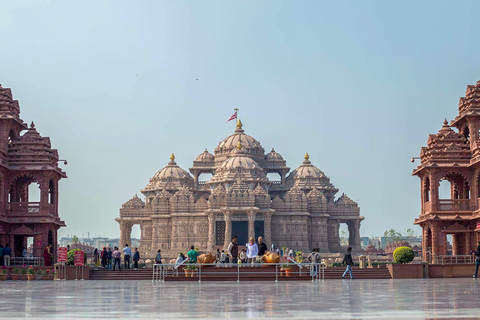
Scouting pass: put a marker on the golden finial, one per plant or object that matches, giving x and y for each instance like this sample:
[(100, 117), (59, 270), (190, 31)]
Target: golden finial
[(239, 124), (239, 145), (172, 157), (306, 156)]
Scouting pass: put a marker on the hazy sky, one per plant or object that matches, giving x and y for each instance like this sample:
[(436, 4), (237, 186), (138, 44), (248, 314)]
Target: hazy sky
[(358, 85)]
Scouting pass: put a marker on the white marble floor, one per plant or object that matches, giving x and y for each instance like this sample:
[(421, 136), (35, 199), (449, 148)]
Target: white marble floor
[(331, 299)]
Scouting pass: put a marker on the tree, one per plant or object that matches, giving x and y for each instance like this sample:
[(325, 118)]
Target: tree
[(392, 235), (410, 232), (75, 239)]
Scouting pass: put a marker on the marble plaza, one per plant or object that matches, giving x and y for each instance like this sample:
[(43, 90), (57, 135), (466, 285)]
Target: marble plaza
[(331, 299)]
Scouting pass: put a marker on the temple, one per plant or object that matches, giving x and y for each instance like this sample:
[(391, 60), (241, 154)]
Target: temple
[(297, 210), (27, 161), (452, 157)]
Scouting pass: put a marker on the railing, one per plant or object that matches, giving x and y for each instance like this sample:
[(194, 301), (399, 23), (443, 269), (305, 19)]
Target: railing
[(457, 259), (242, 270), (202, 185), (28, 261), (454, 205), (28, 207)]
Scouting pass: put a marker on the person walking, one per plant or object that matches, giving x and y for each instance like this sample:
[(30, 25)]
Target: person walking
[(1, 255), (477, 261), (192, 255), (158, 257), (223, 257), (315, 259), (7, 253), (104, 258), (110, 258), (47, 256), (262, 247), (252, 250), (136, 258), (233, 250), (127, 254), (347, 259), (117, 255)]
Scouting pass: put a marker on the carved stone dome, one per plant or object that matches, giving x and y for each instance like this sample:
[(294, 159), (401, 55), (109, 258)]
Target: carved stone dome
[(170, 177), (273, 155), (205, 156), (307, 176), (240, 161)]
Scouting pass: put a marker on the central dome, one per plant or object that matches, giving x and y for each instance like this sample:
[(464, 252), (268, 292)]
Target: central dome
[(249, 143), (240, 161)]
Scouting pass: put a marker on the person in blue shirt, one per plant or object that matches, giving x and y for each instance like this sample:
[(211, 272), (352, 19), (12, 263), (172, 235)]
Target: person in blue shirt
[(1, 255), (7, 253), (127, 254)]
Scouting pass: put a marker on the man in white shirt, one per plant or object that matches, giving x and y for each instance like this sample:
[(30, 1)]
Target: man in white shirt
[(127, 254)]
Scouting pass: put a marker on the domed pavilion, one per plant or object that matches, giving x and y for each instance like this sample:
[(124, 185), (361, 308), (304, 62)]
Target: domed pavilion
[(297, 211)]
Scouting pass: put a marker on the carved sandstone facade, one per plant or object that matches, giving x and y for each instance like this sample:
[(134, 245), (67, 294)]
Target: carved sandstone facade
[(297, 211), (26, 160), (452, 156)]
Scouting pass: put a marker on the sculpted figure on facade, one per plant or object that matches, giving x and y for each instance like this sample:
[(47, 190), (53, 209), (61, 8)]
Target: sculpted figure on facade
[(296, 210)]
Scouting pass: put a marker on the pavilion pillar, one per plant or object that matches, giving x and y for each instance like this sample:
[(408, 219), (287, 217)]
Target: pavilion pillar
[(268, 229), (128, 235), (435, 252), (211, 232), (455, 244), (251, 225), (122, 233), (228, 229), (424, 243), (445, 244), (433, 192), (467, 243)]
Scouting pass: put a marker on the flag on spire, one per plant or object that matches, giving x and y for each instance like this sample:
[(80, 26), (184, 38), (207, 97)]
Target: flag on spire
[(234, 116)]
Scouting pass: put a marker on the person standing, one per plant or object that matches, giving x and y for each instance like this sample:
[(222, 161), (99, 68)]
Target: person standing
[(127, 254), (1, 255), (233, 250), (347, 259), (96, 263), (252, 250), (47, 256), (218, 256), (223, 257), (7, 253), (180, 259), (136, 258), (315, 259), (243, 256), (117, 255), (262, 247), (104, 258), (158, 257), (192, 255), (110, 257), (24, 252), (477, 261)]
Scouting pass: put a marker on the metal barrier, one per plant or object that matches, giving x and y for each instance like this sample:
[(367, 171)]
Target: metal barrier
[(316, 271), (457, 259), (28, 261)]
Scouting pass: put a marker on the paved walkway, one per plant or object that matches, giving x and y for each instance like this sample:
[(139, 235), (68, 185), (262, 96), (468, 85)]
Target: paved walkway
[(331, 299)]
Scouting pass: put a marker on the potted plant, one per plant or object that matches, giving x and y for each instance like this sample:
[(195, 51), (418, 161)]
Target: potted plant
[(39, 274), (287, 267), (192, 269), (14, 273), (30, 273), (23, 273), (49, 274), (187, 270), (3, 273)]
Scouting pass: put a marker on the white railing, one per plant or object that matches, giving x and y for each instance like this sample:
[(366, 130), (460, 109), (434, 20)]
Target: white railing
[(240, 270), (457, 259), (28, 261)]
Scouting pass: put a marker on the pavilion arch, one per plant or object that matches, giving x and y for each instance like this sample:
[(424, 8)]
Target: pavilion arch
[(465, 131), (52, 191), (459, 184), (18, 190)]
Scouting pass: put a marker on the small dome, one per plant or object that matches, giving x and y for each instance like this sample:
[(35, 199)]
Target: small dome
[(135, 202), (170, 177), (205, 156), (240, 161), (172, 171), (307, 170), (273, 155)]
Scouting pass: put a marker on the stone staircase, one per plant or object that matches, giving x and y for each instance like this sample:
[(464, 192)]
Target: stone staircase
[(247, 274)]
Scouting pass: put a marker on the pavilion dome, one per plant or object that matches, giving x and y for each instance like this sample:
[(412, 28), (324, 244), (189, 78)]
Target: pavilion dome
[(307, 176), (273, 155), (205, 156), (170, 177), (251, 146), (240, 161)]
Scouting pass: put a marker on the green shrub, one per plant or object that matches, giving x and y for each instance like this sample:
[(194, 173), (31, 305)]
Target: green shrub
[(403, 255), (71, 257)]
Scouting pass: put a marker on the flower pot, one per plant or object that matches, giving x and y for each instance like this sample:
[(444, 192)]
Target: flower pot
[(30, 277), (282, 272), (14, 276), (193, 273), (188, 273), (3, 277), (23, 277), (288, 272)]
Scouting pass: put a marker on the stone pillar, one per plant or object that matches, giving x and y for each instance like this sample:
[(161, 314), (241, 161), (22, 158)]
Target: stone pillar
[(228, 229), (251, 225), (424, 243), (433, 192), (268, 229), (445, 244), (454, 244), (435, 241), (128, 235), (122, 233), (467, 243), (211, 232)]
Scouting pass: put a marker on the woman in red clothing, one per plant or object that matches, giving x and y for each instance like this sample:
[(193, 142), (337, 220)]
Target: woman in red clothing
[(47, 255)]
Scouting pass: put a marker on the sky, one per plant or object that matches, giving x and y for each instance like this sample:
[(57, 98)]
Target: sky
[(120, 85)]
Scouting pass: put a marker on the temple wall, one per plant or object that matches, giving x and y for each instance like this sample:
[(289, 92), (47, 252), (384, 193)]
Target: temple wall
[(291, 231)]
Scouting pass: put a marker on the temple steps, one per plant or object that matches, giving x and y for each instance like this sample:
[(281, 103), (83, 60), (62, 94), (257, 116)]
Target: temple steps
[(230, 274)]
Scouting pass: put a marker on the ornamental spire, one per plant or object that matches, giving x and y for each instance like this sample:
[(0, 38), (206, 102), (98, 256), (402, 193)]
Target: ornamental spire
[(306, 157), (172, 159)]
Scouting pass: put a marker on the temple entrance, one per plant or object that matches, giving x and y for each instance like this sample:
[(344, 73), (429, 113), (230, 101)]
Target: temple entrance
[(18, 245), (219, 233), (240, 229), (259, 230)]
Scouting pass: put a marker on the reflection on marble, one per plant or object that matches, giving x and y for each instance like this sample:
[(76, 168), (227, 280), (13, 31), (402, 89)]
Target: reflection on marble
[(331, 299)]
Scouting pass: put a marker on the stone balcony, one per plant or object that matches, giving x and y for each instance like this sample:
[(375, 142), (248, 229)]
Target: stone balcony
[(29, 208), (451, 205)]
